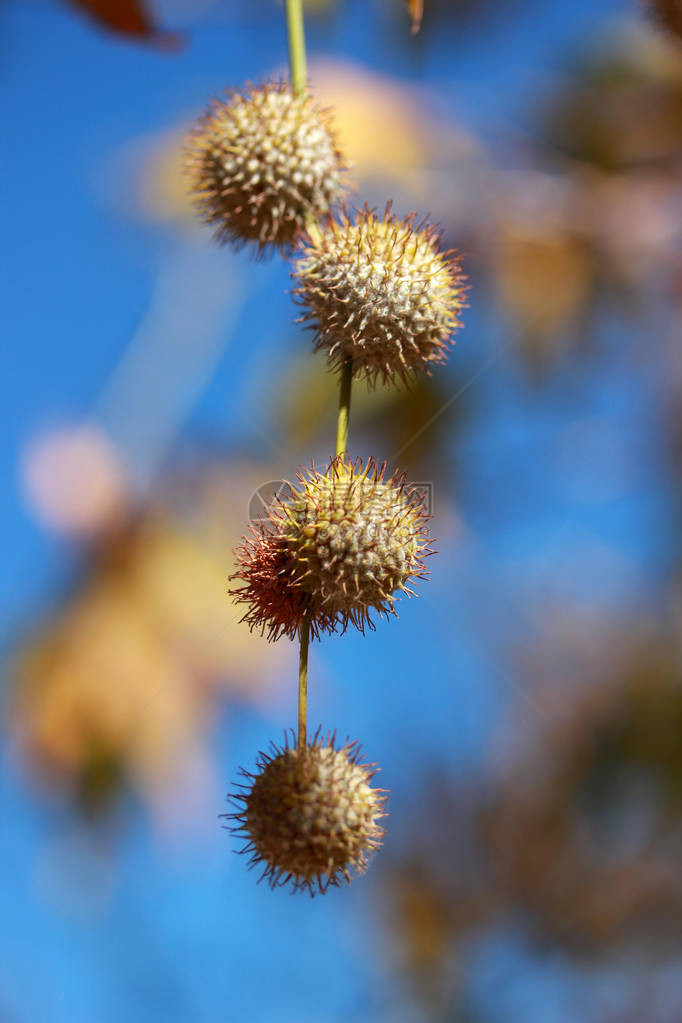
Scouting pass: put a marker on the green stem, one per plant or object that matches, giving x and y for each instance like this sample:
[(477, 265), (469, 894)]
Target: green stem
[(296, 36), (303, 683), (299, 81), (344, 407)]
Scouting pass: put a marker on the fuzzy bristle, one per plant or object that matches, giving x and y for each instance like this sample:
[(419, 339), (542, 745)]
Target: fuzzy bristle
[(380, 293), (276, 604), (262, 164), (310, 815)]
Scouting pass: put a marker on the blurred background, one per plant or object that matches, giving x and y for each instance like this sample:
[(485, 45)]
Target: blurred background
[(526, 708)]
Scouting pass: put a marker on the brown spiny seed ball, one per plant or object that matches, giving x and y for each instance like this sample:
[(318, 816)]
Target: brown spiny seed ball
[(262, 163), (380, 293), (275, 603), (310, 815), (354, 538)]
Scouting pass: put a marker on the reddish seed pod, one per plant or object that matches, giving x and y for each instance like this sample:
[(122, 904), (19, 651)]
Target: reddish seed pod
[(276, 605)]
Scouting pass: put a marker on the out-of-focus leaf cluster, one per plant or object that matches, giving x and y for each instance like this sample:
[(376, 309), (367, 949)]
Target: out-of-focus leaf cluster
[(574, 838), (121, 683)]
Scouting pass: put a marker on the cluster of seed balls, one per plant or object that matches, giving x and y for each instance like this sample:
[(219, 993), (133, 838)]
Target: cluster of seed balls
[(265, 168)]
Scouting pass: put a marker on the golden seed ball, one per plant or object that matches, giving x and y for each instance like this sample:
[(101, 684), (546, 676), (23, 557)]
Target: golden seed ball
[(262, 163), (380, 293), (355, 538), (310, 815)]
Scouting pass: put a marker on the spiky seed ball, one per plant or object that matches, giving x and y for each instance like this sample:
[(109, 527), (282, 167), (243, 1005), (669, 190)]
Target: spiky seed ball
[(355, 538), (276, 605), (379, 292), (310, 815), (262, 163)]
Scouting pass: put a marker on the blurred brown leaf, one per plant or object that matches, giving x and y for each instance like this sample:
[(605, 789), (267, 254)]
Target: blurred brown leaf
[(668, 13), (621, 109), (129, 17), (416, 9), (150, 606), (544, 282)]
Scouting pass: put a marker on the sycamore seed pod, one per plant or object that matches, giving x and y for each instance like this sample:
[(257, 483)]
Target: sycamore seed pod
[(310, 815), (276, 604), (354, 539), (380, 293), (340, 546), (262, 164)]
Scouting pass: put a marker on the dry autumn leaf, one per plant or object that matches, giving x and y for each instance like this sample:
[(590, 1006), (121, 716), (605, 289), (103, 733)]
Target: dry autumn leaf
[(129, 17), (416, 9), (668, 13)]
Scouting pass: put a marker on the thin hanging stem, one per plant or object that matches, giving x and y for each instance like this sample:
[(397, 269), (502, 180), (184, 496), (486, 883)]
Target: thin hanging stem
[(345, 387), (303, 683), (297, 63), (299, 80)]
